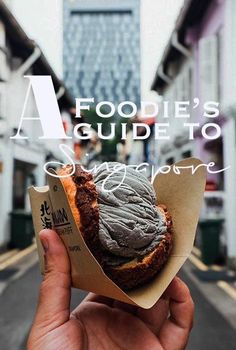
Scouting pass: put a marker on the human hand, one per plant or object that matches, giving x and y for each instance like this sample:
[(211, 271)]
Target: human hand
[(101, 323)]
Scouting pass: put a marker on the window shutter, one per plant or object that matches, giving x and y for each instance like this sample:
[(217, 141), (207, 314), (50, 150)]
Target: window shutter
[(2, 45), (208, 68), (187, 84)]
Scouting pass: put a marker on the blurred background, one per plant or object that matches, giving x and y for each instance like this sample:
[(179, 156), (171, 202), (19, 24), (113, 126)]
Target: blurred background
[(117, 50)]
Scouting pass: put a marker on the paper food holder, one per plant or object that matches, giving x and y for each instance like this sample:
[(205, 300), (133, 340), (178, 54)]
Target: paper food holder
[(181, 193)]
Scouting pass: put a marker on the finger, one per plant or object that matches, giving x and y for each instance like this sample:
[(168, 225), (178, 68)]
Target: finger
[(54, 298), (99, 299), (94, 298), (181, 303), (89, 299), (132, 309), (110, 302), (175, 331), (156, 316)]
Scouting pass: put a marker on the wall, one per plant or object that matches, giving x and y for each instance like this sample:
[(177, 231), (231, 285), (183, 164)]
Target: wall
[(229, 108), (208, 64), (179, 90), (31, 152)]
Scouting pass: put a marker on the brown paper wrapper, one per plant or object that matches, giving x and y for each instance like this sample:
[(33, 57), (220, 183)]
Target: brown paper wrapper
[(181, 193)]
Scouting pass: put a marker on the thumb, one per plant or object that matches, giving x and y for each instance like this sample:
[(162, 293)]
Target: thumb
[(54, 298)]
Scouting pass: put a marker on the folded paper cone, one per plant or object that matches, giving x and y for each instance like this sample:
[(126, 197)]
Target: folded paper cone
[(181, 193)]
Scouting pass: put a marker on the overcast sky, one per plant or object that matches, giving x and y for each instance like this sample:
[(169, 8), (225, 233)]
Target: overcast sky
[(157, 22), (42, 20)]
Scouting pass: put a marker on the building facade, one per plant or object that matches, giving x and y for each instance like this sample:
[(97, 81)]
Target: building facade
[(198, 63), (22, 161), (102, 49)]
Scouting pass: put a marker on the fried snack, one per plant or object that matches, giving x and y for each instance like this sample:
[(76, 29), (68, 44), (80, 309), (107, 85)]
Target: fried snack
[(131, 247)]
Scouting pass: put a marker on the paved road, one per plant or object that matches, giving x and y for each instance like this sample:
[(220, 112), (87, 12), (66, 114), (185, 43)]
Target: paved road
[(17, 304), (211, 331)]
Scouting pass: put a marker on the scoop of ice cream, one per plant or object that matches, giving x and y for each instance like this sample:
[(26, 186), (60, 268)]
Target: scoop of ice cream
[(130, 224)]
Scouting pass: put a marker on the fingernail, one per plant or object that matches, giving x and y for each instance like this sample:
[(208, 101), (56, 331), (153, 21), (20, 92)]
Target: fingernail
[(45, 245)]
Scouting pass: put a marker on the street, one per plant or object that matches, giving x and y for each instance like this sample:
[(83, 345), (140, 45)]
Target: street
[(210, 331), (18, 302), (143, 86)]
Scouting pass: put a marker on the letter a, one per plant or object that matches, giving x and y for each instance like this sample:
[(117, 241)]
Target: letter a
[(46, 102)]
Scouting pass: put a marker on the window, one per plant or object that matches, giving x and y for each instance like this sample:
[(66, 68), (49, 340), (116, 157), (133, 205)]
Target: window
[(170, 161), (1, 116), (2, 100), (208, 66), (23, 177), (187, 154)]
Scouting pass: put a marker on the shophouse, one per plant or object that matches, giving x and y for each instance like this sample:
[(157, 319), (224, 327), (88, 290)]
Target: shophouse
[(21, 161), (199, 62)]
